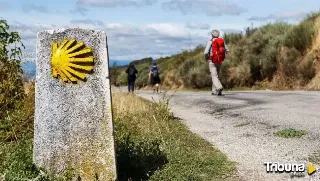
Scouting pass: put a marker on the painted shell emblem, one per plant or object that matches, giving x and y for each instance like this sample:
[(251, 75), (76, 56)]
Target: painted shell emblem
[(71, 61)]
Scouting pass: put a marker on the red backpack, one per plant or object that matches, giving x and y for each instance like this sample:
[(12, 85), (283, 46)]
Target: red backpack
[(218, 51)]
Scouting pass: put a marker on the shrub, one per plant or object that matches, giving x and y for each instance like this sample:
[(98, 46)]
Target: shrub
[(143, 77), (198, 78), (307, 69), (114, 72), (268, 61), (232, 38), (264, 46), (300, 36), (287, 62), (187, 66), (249, 31), (195, 72), (243, 75), (16, 160), (225, 74), (11, 86), (238, 52)]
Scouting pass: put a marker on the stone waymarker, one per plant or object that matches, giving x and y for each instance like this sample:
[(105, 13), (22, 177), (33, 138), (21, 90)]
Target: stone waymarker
[(73, 127)]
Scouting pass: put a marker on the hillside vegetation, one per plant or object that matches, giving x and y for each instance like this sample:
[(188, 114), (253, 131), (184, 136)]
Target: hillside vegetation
[(275, 56)]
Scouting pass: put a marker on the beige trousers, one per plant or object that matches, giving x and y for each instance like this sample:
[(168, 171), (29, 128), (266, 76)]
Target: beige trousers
[(214, 70)]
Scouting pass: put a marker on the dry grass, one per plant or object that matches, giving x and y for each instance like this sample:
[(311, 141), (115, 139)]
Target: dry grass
[(314, 84), (128, 103)]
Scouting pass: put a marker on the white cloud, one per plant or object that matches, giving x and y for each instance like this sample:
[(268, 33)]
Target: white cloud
[(294, 15), (80, 9), (208, 7), (126, 42), (27, 8), (88, 22), (115, 3), (196, 25), (166, 29)]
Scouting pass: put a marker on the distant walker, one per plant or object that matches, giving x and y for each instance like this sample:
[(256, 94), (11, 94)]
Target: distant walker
[(131, 71), (154, 77)]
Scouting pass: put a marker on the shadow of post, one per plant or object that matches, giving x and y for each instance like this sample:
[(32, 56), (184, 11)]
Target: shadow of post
[(138, 160)]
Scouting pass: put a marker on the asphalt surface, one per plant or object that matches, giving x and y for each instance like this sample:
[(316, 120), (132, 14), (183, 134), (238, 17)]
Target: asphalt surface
[(242, 125)]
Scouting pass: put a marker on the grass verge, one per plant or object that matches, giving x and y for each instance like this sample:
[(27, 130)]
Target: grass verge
[(186, 155), (290, 133)]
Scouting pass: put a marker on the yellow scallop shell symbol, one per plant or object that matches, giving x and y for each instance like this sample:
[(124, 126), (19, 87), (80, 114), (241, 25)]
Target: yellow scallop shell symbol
[(71, 61)]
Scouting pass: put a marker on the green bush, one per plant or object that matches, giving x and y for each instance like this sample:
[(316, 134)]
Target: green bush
[(249, 31), (239, 52), (263, 49), (268, 61), (243, 75), (197, 79), (300, 36), (16, 160), (143, 77), (225, 74), (187, 66), (288, 63), (232, 38), (195, 72), (11, 86)]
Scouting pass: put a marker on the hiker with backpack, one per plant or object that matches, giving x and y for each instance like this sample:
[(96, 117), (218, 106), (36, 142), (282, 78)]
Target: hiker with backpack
[(131, 71), (154, 77), (215, 53)]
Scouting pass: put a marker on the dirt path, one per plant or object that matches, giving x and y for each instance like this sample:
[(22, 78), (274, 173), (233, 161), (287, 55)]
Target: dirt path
[(242, 125)]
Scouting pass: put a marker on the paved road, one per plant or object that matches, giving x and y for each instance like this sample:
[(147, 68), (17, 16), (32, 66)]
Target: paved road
[(242, 125)]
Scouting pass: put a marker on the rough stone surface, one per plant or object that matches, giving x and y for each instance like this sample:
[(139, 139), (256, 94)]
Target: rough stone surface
[(73, 126)]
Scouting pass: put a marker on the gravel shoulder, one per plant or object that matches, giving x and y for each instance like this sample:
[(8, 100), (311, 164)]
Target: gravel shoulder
[(242, 125)]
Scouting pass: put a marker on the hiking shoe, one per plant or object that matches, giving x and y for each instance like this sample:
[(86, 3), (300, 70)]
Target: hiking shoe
[(212, 93), (219, 91)]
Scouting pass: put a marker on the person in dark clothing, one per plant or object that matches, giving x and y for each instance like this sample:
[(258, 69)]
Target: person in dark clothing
[(131, 71), (154, 77)]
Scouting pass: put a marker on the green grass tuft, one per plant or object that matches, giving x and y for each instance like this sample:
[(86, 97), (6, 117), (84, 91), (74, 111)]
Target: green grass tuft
[(290, 133)]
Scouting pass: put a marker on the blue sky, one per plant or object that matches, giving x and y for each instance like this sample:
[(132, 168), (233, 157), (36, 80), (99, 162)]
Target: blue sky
[(144, 28)]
